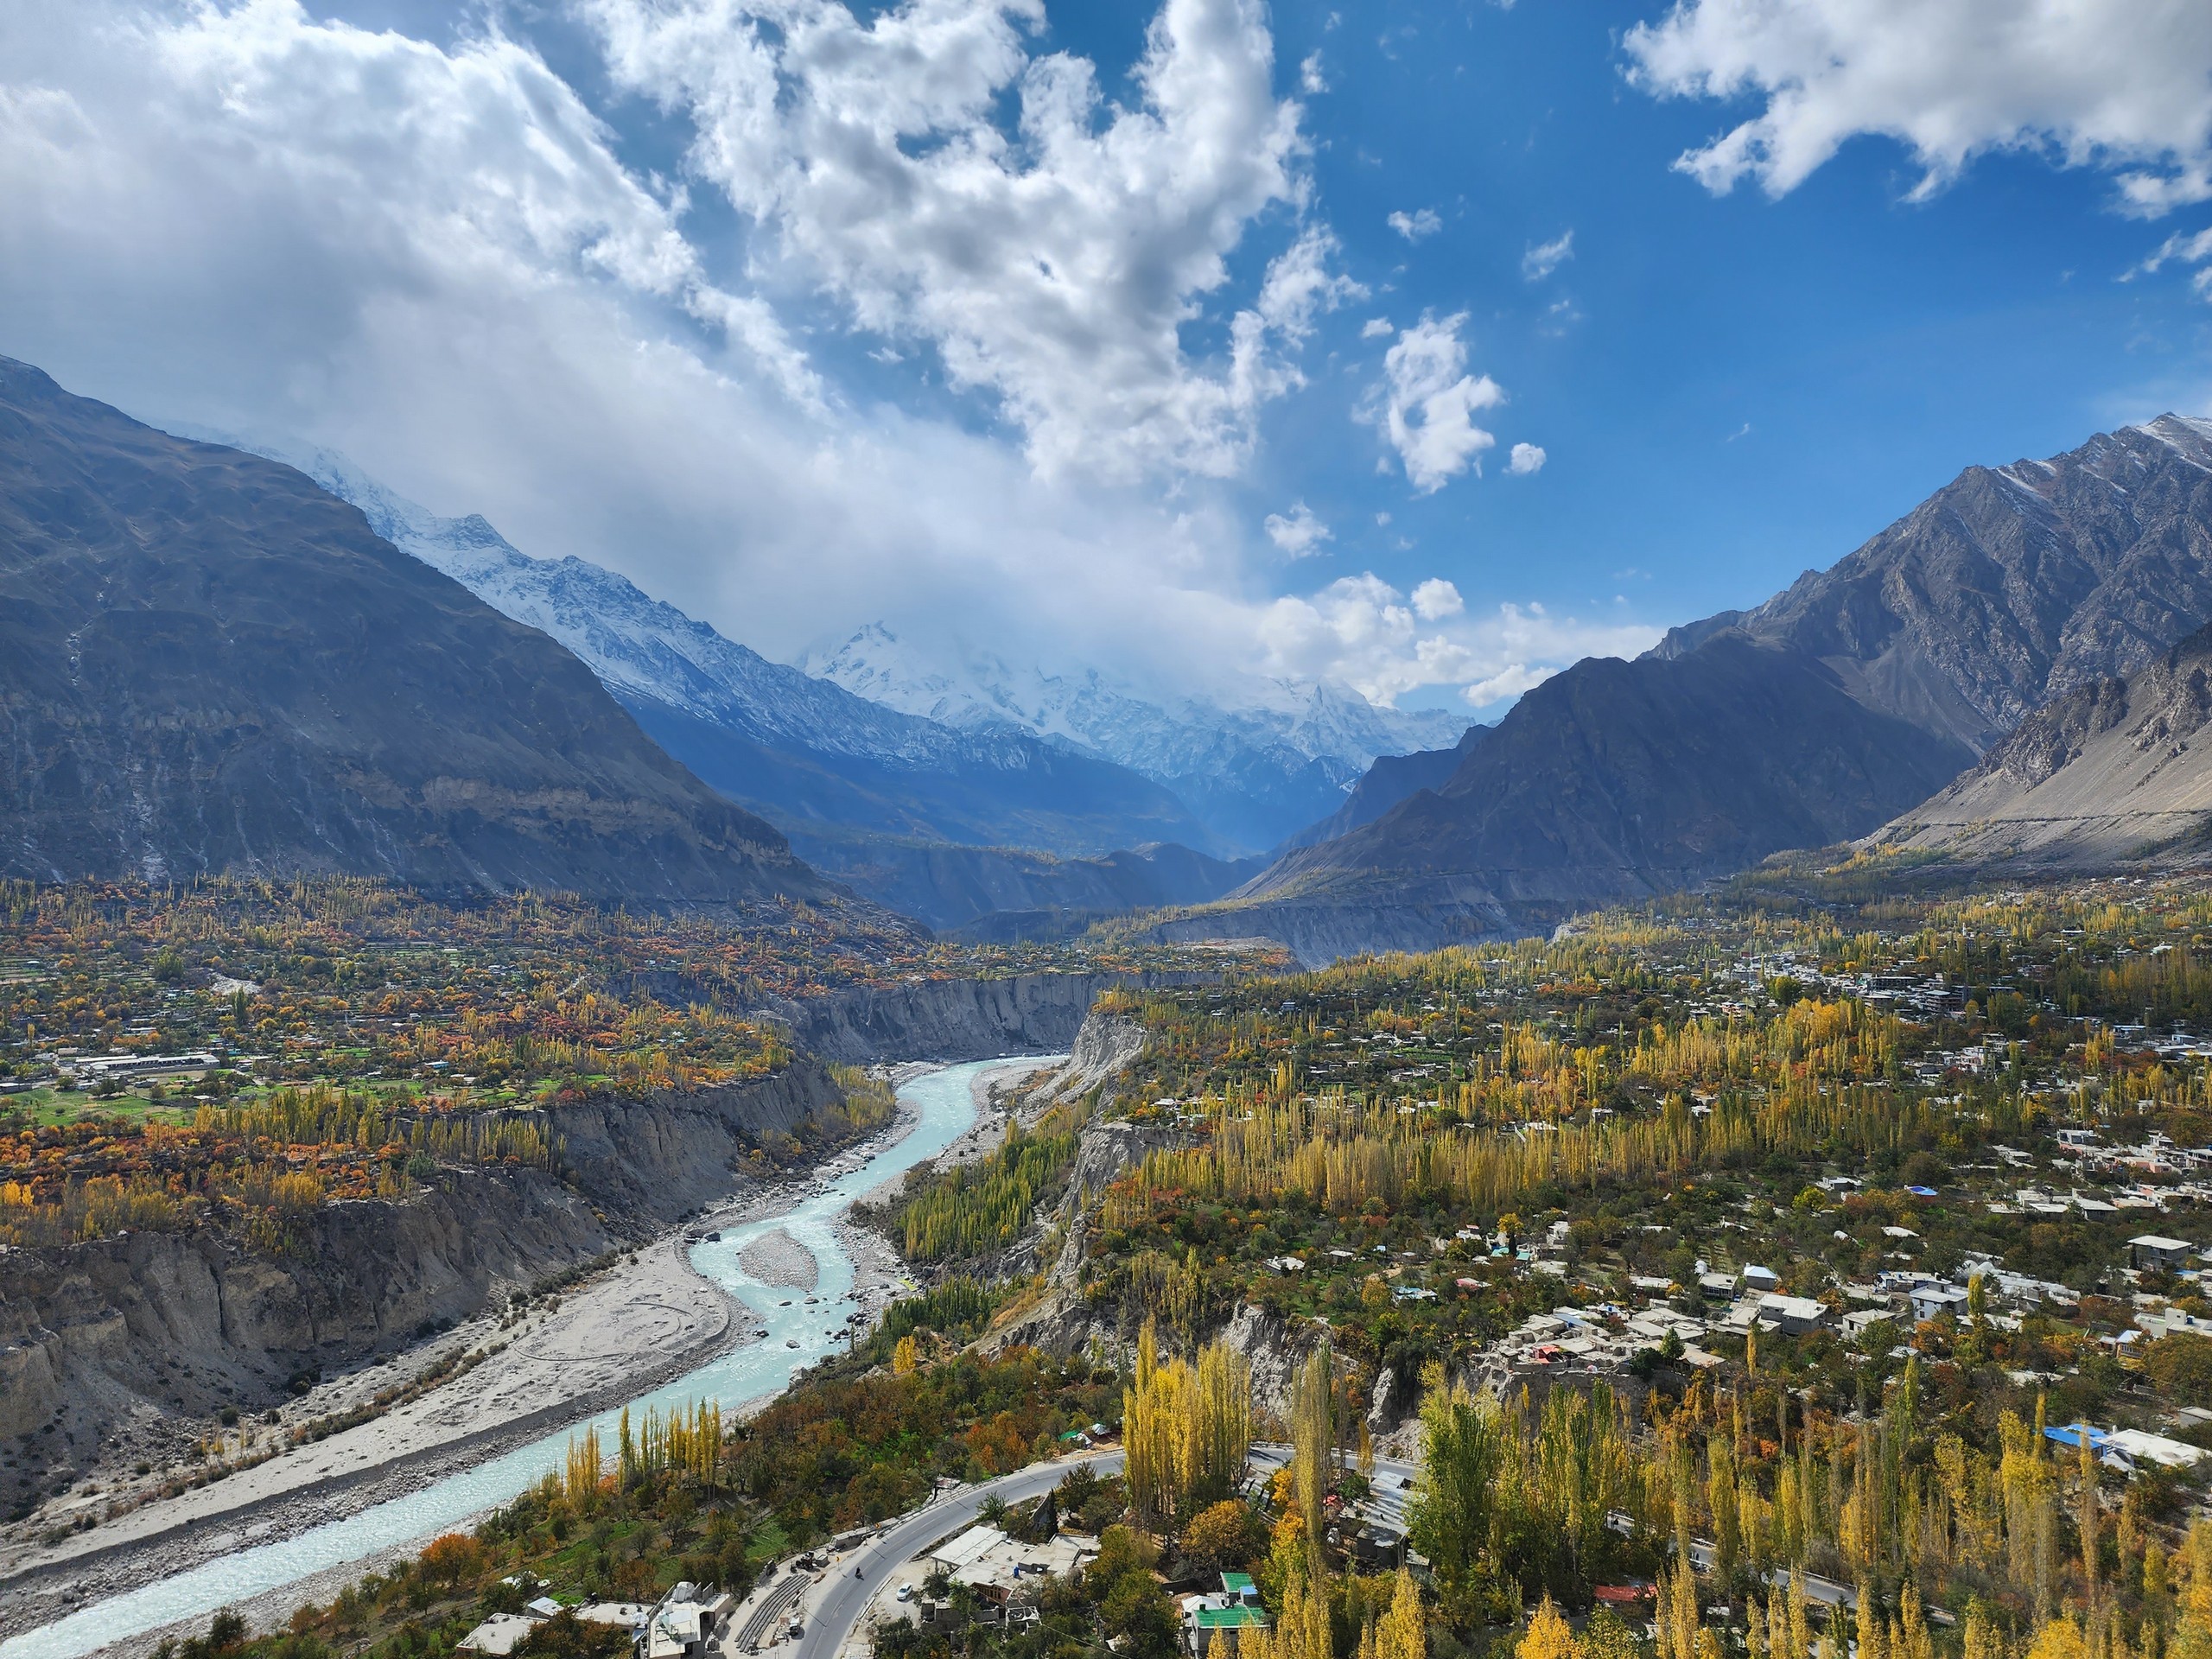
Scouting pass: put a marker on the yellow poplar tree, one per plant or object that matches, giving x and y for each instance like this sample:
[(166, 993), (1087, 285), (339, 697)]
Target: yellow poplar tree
[(1404, 1631), (1549, 1636)]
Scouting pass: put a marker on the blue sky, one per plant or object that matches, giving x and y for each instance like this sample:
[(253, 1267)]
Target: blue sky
[(548, 263)]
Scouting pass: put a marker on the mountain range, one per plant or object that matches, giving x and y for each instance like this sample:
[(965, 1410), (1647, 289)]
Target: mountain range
[(208, 663), (212, 663), (1257, 770), (1815, 717), (949, 821)]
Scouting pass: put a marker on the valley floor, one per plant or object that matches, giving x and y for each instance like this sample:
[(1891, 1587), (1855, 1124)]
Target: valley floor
[(648, 1318)]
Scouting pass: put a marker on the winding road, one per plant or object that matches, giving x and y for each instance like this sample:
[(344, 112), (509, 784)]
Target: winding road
[(834, 1619)]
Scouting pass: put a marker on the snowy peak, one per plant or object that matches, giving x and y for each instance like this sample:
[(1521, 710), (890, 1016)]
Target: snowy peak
[(1278, 759), (1312, 720), (639, 646), (2187, 436)]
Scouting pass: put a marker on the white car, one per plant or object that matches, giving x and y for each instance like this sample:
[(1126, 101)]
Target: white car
[(905, 1592)]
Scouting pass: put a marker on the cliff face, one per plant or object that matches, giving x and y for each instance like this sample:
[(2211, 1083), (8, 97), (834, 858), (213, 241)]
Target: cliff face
[(93, 1333), (955, 1019), (660, 1159), (190, 1322)]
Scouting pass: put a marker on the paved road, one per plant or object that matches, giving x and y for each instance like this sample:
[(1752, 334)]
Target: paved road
[(831, 1620), (834, 1616), (1393, 1481)]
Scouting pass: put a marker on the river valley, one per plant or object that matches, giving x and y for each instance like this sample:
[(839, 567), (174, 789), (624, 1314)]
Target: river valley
[(798, 1327)]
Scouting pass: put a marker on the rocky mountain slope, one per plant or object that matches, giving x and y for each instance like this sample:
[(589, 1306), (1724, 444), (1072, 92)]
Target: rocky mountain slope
[(800, 751), (1255, 772), (209, 664), (1392, 779), (2011, 585), (1813, 718), (2115, 771), (1613, 780)]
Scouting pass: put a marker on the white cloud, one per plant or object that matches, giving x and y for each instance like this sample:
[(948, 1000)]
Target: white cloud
[(1311, 80), (1545, 258), (1298, 532), (2182, 249), (1428, 403), (433, 258), (1367, 634), (1527, 458), (1436, 598), (1377, 328), (1414, 226), (2122, 85), (1053, 267), (1508, 682)]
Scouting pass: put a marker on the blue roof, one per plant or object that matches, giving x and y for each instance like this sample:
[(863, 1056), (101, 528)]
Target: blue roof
[(2071, 1435)]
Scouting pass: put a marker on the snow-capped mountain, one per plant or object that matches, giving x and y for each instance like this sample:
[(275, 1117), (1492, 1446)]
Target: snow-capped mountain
[(803, 750), (1256, 773)]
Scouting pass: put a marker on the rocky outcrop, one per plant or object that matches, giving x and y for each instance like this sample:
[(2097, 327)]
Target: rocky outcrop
[(2113, 775), (661, 1157), (164, 1322), (955, 1019), (1106, 1044)]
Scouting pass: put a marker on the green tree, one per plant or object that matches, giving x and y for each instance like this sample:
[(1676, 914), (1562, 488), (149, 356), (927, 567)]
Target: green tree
[(1448, 1521)]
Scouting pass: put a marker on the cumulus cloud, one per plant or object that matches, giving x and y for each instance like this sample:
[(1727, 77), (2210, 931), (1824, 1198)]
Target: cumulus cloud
[(1311, 80), (1422, 222), (1052, 267), (1526, 457), (2122, 85), (1364, 632), (1436, 598), (1297, 532), (1545, 258), (1428, 403), (1377, 328), (434, 258)]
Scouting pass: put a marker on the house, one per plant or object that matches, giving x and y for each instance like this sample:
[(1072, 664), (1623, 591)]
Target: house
[(994, 1565), (684, 1625), (2149, 1250), (500, 1634), (1762, 1279), (1793, 1315), (629, 1616), (2123, 1448), (1235, 1608), (1932, 1300)]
